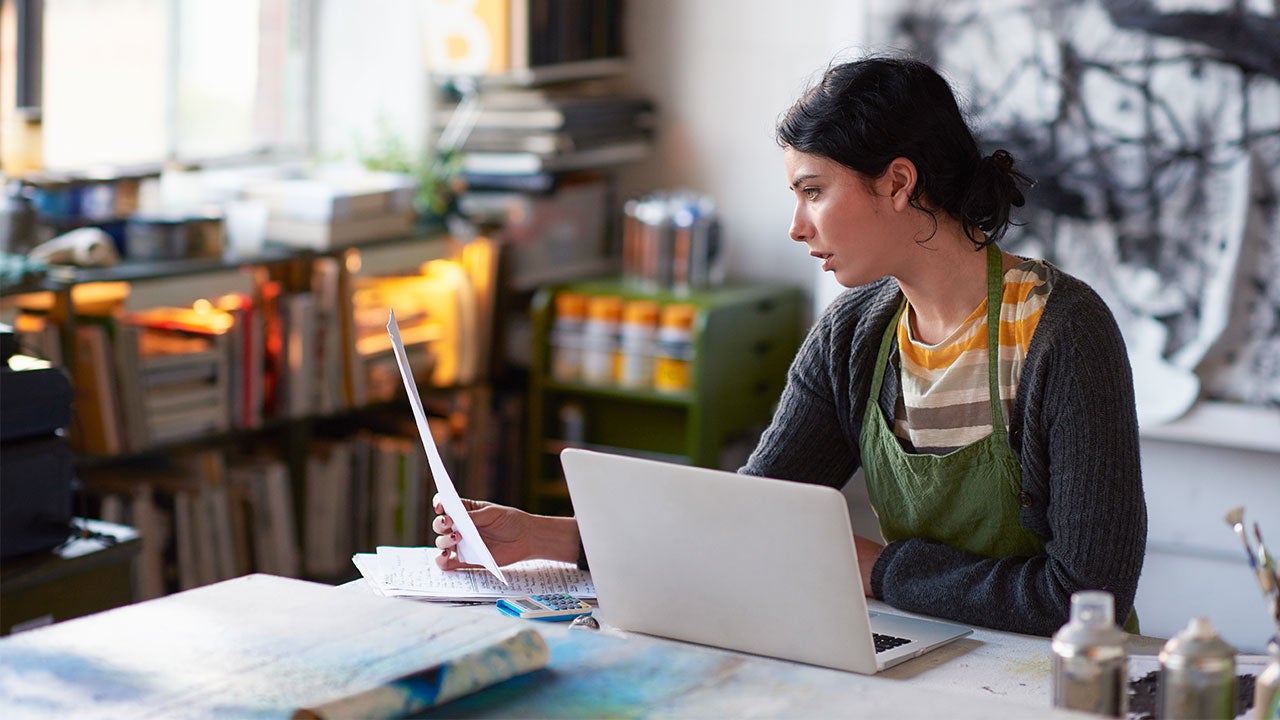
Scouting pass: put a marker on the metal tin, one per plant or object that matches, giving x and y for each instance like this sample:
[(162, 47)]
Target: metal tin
[(1197, 675), (1089, 662), (1266, 686), (671, 241), (174, 236)]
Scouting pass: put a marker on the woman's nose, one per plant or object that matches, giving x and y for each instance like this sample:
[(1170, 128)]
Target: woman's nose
[(801, 230)]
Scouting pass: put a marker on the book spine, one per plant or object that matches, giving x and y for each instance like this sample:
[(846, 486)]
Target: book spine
[(518, 654)]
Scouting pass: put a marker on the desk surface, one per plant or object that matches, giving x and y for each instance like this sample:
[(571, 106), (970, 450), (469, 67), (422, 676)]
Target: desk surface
[(259, 646)]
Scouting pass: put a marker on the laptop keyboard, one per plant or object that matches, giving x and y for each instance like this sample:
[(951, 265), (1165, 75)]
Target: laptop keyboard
[(887, 642)]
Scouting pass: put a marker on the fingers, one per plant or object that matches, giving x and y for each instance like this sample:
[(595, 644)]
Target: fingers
[(449, 560), (448, 541), (442, 525)]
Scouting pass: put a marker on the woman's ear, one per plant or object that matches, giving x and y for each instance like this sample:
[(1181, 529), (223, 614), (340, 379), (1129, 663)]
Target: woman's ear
[(900, 178)]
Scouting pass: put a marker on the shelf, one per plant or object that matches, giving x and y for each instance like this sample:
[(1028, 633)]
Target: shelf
[(1222, 424), (651, 397), (555, 447), (134, 270), (560, 72), (744, 339)]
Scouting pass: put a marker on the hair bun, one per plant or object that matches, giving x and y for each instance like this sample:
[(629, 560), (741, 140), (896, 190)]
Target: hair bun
[(1001, 159)]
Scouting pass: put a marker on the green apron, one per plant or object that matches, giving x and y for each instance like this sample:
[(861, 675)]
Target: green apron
[(966, 499)]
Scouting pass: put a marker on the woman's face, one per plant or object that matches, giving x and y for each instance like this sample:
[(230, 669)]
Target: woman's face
[(847, 222)]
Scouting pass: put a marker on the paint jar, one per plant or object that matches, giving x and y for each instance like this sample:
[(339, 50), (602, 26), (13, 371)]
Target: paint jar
[(1197, 675), (566, 336), (673, 364), (636, 344), (600, 339), (1089, 662)]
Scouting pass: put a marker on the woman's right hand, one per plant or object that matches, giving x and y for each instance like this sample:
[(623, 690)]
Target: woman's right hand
[(505, 530), (511, 534)]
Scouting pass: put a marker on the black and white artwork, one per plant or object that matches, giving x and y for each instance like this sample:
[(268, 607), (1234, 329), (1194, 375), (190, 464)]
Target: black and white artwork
[(1153, 130)]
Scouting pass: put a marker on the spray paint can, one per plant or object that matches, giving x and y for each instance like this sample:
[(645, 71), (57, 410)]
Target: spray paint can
[(1266, 687), (1197, 675), (1090, 672)]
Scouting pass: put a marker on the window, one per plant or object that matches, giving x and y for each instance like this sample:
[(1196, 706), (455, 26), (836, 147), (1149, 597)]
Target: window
[(129, 82)]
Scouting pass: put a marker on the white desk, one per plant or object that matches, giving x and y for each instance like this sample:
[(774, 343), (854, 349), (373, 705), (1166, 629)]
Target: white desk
[(259, 646)]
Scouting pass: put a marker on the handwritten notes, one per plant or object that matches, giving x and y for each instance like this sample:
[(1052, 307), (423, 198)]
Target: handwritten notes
[(471, 549), (412, 572)]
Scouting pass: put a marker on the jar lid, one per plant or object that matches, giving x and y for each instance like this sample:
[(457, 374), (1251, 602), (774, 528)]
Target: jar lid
[(678, 315), (1197, 643), (571, 305), (604, 307), (640, 312)]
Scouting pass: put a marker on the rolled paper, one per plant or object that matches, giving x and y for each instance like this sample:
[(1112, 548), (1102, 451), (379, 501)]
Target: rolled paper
[(517, 654)]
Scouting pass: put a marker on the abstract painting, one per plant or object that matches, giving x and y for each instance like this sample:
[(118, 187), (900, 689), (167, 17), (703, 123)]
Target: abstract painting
[(1152, 129)]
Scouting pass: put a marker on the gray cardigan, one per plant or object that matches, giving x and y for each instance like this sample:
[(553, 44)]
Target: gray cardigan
[(1073, 428)]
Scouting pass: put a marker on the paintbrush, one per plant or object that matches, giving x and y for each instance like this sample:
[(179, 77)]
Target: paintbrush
[(1267, 571), (1235, 518), (1268, 575)]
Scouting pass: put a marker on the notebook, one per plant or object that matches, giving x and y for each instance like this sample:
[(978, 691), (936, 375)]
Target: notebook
[(733, 561)]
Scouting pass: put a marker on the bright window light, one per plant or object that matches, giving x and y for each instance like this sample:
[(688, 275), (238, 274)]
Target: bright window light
[(144, 81)]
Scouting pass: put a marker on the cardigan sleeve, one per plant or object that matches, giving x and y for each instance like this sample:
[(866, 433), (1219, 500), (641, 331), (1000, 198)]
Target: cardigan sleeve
[(1074, 429), (813, 436)]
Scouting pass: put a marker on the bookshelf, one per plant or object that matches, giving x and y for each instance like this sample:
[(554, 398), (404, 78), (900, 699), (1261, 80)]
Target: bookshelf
[(323, 460), (525, 41), (742, 342)]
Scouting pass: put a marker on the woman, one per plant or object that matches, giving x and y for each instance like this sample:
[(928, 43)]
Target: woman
[(1004, 481)]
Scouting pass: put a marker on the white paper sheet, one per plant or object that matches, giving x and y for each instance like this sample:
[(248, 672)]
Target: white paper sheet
[(412, 572), (471, 548)]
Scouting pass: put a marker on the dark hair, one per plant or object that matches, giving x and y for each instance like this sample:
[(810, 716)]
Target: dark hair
[(865, 113)]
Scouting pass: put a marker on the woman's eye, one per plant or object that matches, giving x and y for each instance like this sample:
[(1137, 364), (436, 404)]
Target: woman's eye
[(811, 193)]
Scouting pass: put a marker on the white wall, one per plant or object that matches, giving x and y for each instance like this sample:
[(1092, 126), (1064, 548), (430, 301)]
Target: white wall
[(369, 72), (721, 72)]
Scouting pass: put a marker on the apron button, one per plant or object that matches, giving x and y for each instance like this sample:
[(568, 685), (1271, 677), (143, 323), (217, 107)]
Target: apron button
[(1024, 498)]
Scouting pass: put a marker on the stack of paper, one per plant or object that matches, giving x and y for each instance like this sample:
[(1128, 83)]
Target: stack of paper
[(412, 572)]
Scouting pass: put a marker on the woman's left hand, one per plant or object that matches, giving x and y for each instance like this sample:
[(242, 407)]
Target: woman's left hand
[(868, 553)]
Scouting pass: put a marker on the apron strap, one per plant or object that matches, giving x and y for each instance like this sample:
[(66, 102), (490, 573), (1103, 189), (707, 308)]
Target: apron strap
[(882, 358), (995, 301)]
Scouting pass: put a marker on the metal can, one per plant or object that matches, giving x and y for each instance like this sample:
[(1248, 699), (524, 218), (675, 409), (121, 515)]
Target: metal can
[(1090, 671), (1266, 687), (1197, 675)]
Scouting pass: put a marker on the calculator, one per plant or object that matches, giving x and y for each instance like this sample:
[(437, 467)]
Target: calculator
[(554, 606)]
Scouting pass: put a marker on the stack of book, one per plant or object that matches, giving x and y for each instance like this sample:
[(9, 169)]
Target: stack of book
[(336, 208), (363, 491), (201, 518), (525, 138), (246, 343), (183, 373)]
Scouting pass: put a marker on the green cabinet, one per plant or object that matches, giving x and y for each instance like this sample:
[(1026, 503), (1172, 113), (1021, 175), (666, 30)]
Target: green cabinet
[(744, 338)]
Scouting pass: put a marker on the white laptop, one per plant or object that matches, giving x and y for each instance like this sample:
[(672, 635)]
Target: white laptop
[(733, 561)]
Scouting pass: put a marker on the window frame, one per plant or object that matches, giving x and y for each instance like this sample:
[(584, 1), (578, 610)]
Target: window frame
[(28, 79)]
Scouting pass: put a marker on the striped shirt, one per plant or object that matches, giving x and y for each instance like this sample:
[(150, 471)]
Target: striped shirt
[(945, 399)]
